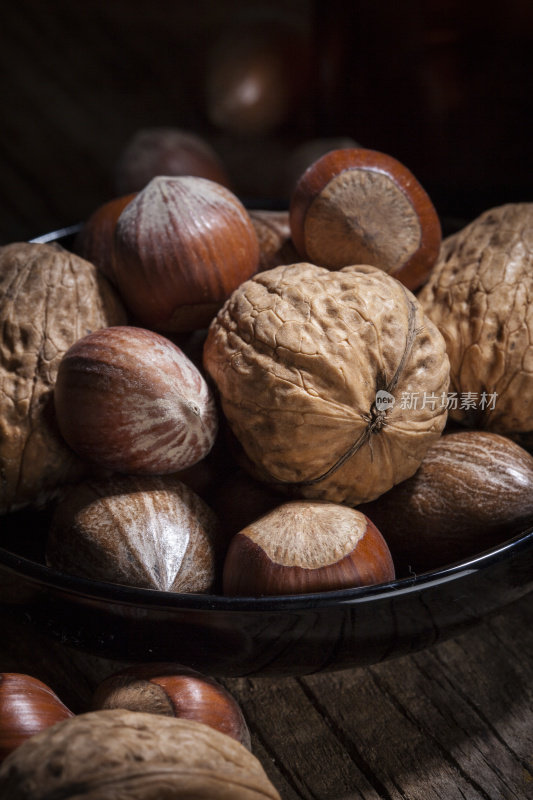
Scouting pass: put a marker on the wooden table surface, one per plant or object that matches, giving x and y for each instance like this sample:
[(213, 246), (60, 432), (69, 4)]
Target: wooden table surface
[(452, 722)]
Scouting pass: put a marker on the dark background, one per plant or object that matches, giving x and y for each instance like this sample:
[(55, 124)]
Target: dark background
[(445, 87)]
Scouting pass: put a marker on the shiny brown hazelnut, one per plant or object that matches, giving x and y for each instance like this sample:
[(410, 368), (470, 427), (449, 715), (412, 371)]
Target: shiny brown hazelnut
[(174, 691), (95, 241), (472, 491), (166, 151), (129, 400), (359, 206), (309, 151), (148, 531), (304, 546), (182, 246), (27, 706)]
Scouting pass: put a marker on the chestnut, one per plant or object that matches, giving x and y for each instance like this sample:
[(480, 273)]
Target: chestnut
[(166, 151), (27, 707), (306, 546), (176, 691), (359, 206), (129, 400), (181, 247)]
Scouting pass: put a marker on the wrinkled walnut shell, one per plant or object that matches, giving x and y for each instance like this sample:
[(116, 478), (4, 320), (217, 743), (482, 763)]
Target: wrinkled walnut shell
[(134, 756), (299, 354), (480, 297), (49, 298)]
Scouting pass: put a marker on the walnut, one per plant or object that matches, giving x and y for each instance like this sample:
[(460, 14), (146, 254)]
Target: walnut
[(133, 755), (49, 298), (322, 377), (479, 296)]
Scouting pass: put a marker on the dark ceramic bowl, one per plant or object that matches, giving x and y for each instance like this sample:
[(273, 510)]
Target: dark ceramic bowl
[(288, 635)]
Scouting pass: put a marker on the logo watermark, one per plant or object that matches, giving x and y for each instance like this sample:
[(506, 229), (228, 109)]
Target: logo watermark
[(384, 400), (452, 401)]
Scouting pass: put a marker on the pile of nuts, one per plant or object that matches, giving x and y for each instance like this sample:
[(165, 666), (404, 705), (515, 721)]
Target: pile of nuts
[(154, 731), (219, 400), (303, 361)]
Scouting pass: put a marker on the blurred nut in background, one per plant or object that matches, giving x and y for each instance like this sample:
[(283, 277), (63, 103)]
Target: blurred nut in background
[(257, 73), (166, 151)]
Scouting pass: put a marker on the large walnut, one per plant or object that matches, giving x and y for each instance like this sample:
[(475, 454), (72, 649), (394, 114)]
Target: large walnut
[(333, 382), (132, 755), (49, 298), (480, 297)]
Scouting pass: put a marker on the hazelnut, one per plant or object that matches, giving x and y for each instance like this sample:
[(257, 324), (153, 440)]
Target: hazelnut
[(175, 691), (309, 151), (302, 547), (312, 366), (358, 206), (27, 706), (129, 400), (182, 246), (472, 491), (256, 74), (117, 753), (147, 531), (479, 296), (95, 241), (166, 151), (274, 237)]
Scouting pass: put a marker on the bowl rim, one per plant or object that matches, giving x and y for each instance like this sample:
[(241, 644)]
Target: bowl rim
[(115, 593)]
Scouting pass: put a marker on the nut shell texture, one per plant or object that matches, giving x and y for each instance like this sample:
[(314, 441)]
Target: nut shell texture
[(299, 353), (176, 691), (182, 246), (358, 206), (133, 756), (306, 547), (130, 400), (480, 297), (27, 706), (147, 531), (49, 298), (473, 490)]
